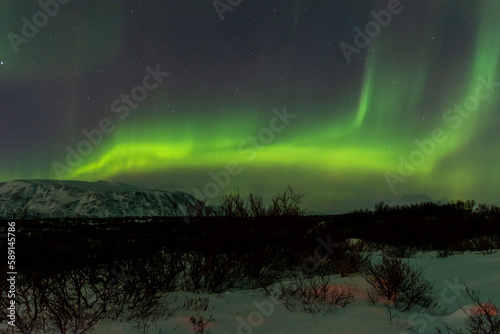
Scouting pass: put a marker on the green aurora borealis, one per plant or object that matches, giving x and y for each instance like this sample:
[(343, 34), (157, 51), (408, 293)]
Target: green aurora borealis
[(350, 125)]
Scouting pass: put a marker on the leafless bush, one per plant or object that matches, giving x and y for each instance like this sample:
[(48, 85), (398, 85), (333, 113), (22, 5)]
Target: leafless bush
[(199, 304), (257, 208), (372, 296), (70, 302), (314, 294), (444, 253), (132, 296), (266, 278), (144, 307), (392, 316), (351, 259), (400, 251), (76, 301), (484, 209), (200, 323), (402, 284), (262, 268), (381, 208), (29, 316), (286, 204), (201, 209), (485, 244), (347, 259), (232, 205), (64, 303), (214, 272), (482, 318), (489, 212)]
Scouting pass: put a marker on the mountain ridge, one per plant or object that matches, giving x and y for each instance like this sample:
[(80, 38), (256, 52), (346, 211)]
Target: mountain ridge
[(101, 199)]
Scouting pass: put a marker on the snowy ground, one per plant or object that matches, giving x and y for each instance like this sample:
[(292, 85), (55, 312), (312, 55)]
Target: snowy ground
[(252, 311)]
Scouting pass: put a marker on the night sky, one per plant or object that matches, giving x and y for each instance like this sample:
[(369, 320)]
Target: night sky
[(350, 102)]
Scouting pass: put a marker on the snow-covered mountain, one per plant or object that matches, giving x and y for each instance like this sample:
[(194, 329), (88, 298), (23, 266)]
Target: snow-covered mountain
[(61, 199)]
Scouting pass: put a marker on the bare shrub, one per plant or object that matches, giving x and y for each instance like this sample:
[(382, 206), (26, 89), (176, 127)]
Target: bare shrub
[(483, 209), (130, 296), (262, 268), (196, 302), (69, 302), (372, 296), (200, 323), (286, 204), (381, 208), (214, 272), (201, 209), (351, 259), (400, 251), (76, 301), (257, 208), (444, 253), (29, 315), (402, 284), (314, 294), (232, 205), (485, 244), (144, 307), (482, 318), (199, 304)]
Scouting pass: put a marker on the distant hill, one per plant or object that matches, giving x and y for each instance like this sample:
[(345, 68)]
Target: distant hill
[(62, 199)]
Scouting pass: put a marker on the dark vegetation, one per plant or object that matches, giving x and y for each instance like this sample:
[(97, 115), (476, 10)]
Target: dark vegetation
[(74, 272), (483, 318), (401, 284)]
